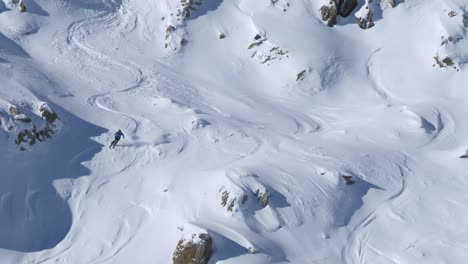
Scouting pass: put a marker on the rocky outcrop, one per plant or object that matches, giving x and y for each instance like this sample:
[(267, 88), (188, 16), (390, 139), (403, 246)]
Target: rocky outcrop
[(283, 5), (300, 76), (248, 199), (345, 7), (335, 8), (348, 179), (450, 53), (329, 14), (174, 23), (265, 51), (28, 129), (22, 7), (186, 8), (444, 63), (196, 250)]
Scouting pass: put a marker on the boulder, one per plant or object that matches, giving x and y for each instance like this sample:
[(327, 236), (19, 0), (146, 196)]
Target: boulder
[(22, 7), (346, 7), (335, 8), (196, 250)]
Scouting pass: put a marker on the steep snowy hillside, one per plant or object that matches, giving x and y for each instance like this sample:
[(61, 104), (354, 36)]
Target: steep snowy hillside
[(256, 131)]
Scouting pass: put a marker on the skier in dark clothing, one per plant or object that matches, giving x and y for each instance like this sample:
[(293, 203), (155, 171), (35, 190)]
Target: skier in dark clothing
[(118, 135)]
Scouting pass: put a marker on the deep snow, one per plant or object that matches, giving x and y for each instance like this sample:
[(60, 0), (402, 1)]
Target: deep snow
[(208, 115)]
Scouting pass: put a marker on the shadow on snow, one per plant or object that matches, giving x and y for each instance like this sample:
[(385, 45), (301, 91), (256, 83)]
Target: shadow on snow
[(33, 216), (351, 200)]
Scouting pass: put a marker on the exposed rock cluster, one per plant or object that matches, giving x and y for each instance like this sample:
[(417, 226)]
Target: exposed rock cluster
[(196, 250), (28, 129)]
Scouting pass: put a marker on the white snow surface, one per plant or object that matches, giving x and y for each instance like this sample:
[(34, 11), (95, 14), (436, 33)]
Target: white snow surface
[(210, 115)]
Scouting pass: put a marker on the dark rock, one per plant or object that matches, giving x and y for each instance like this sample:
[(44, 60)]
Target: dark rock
[(444, 63), (448, 61), (366, 22), (336, 8), (49, 115), (265, 199), (452, 14), (329, 14), (348, 179), (345, 7), (22, 7), (301, 75), (256, 44)]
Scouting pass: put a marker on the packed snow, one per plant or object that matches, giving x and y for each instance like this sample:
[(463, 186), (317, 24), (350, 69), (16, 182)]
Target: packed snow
[(284, 137)]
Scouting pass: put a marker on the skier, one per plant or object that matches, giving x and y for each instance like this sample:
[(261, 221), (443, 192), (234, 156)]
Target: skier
[(118, 135)]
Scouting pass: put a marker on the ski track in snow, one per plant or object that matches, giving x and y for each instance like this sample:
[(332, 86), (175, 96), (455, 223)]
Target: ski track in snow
[(360, 235), (142, 79), (279, 140)]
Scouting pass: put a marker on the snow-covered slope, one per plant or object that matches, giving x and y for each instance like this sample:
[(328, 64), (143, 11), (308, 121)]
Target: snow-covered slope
[(241, 118)]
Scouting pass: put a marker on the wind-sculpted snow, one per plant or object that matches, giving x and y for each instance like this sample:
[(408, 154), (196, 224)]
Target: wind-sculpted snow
[(250, 125)]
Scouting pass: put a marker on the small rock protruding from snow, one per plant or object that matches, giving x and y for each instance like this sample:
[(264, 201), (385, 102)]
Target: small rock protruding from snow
[(22, 7), (186, 8), (367, 21), (253, 200), (301, 75), (445, 62), (200, 123), (196, 250), (452, 13), (452, 52), (258, 41), (366, 14), (46, 113), (265, 51), (263, 198), (348, 179), (281, 4)]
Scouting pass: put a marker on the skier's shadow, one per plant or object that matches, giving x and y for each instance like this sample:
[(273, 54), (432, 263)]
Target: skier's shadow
[(33, 215)]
